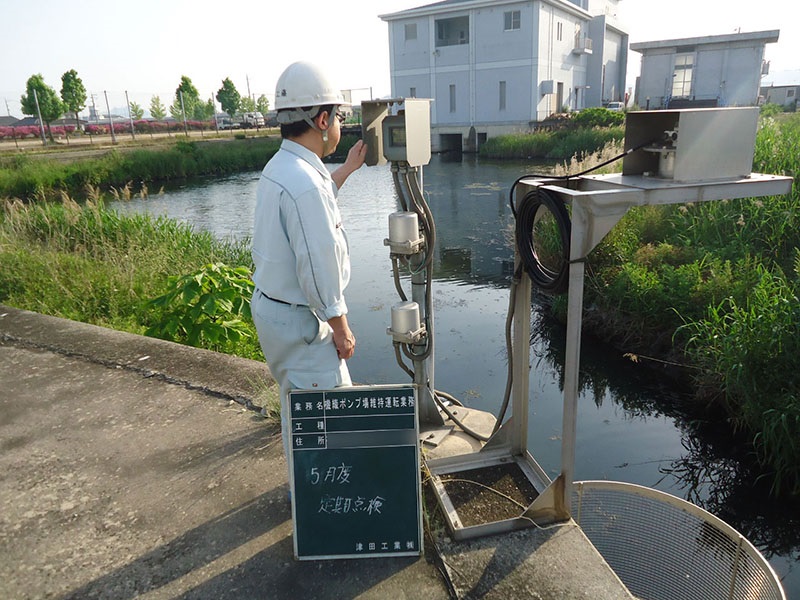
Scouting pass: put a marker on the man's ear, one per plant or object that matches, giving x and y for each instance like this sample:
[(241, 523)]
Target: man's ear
[(323, 120)]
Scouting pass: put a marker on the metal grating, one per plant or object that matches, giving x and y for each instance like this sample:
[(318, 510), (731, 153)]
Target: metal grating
[(664, 548)]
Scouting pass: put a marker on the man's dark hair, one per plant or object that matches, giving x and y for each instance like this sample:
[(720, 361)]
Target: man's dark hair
[(291, 130)]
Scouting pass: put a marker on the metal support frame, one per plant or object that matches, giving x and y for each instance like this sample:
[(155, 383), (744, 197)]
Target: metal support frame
[(598, 203)]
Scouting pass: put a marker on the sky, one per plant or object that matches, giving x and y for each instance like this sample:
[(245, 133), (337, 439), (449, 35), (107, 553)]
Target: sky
[(143, 47)]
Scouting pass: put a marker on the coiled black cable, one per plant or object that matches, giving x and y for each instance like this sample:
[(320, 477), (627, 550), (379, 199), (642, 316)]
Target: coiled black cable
[(554, 282), (544, 278)]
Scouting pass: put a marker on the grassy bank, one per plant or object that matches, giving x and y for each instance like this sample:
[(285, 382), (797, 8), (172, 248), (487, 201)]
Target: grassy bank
[(31, 177), (89, 264), (34, 178)]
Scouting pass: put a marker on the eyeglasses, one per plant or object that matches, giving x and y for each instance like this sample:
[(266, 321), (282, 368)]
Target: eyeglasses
[(341, 116)]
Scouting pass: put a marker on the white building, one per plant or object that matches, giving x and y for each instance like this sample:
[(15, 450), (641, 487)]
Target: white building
[(498, 66), (715, 70), (785, 95)]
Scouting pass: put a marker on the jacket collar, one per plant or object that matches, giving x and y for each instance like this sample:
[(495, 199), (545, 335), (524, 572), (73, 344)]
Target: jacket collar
[(307, 155)]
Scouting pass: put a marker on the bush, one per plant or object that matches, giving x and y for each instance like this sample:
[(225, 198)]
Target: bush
[(770, 109), (598, 117), (208, 308)]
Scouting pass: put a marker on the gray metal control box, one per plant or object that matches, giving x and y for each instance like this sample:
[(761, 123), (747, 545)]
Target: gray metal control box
[(703, 144), (397, 130)]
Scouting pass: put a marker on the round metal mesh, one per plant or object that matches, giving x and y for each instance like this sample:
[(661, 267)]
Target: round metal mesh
[(664, 548)]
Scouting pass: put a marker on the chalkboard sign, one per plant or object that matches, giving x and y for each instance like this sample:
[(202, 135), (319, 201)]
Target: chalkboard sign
[(355, 472)]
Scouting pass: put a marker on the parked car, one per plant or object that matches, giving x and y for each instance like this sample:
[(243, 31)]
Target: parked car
[(615, 106), (250, 119), (225, 122)]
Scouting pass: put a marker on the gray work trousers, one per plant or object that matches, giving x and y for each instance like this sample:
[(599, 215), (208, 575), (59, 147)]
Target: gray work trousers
[(299, 350)]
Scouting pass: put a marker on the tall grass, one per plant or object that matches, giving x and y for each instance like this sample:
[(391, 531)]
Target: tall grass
[(749, 352), (91, 264), (716, 285), (558, 145)]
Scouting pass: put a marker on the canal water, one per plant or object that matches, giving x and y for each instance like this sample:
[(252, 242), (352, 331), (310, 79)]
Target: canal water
[(632, 426)]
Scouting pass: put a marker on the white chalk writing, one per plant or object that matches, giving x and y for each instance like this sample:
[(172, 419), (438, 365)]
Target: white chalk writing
[(341, 505)]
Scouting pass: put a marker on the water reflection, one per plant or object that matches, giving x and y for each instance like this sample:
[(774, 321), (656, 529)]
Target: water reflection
[(633, 426)]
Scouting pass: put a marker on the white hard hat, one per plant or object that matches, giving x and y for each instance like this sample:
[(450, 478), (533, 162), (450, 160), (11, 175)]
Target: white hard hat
[(303, 84)]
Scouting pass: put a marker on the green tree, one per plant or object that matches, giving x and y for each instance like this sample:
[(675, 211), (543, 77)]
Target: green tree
[(175, 110), (50, 104), (137, 112), (191, 100), (247, 104), (228, 97), (262, 104), (73, 93), (157, 110), (204, 111)]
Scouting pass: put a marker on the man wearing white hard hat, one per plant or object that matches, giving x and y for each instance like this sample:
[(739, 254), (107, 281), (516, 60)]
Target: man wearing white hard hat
[(300, 248)]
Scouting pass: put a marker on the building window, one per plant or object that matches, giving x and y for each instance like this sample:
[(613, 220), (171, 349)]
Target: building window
[(502, 95), (682, 76), (452, 32), (412, 92), (452, 98), (411, 31), (790, 93), (559, 31), (512, 20)]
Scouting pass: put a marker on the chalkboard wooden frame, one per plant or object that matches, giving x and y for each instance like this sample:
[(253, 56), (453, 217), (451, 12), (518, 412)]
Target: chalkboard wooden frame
[(355, 472)]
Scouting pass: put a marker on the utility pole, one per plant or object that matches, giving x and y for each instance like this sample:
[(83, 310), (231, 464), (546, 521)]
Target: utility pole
[(216, 123), (130, 116), (39, 112), (249, 95), (183, 112), (110, 120), (94, 108)]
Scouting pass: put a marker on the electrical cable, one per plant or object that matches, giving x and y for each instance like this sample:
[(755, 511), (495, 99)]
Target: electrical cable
[(426, 216), (410, 197), (524, 230), (469, 431), (400, 194), (400, 362), (449, 397), (553, 281), (425, 219), (396, 277), (573, 175), (528, 214), (512, 300)]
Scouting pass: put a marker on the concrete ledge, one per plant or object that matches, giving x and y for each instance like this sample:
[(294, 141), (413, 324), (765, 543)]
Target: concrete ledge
[(558, 563), (219, 374)]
